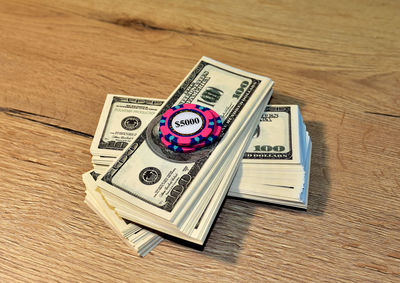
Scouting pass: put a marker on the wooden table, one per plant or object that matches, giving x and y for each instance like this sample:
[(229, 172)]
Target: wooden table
[(338, 60)]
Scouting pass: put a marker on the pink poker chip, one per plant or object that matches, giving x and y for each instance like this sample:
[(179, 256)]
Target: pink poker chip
[(187, 124)]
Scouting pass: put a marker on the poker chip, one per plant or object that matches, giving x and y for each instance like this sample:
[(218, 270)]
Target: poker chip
[(214, 135), (187, 124)]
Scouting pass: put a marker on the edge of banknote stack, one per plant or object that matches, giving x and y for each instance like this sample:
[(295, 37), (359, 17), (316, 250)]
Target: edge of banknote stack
[(187, 192)]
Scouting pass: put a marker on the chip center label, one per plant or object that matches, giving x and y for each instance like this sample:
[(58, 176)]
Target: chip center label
[(187, 122)]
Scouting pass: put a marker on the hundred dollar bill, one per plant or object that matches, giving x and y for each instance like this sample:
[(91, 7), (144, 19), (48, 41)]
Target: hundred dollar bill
[(277, 137), (158, 184), (276, 164), (123, 118)]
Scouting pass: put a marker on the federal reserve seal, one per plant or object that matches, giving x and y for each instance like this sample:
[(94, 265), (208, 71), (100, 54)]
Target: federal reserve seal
[(150, 175), (131, 123)]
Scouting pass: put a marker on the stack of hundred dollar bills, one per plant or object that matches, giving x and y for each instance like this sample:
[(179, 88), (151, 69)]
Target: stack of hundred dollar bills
[(144, 191)]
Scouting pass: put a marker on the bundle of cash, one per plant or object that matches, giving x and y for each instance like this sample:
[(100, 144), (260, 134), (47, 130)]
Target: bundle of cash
[(141, 179), (180, 194), (275, 167)]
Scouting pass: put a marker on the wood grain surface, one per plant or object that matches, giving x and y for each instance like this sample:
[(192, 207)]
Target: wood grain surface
[(338, 60)]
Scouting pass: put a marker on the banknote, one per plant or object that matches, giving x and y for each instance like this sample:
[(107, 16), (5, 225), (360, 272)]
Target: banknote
[(276, 138), (123, 118)]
